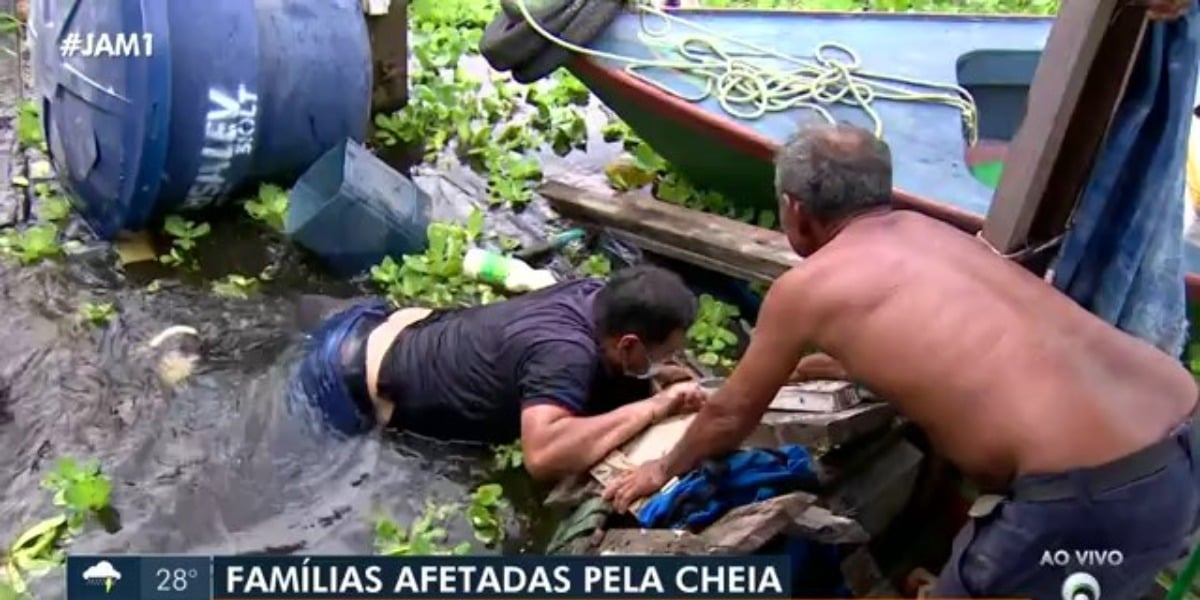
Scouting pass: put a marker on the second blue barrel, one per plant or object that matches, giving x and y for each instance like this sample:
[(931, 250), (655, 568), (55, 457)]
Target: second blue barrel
[(153, 106)]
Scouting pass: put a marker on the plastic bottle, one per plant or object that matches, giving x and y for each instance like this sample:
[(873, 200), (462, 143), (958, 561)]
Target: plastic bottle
[(514, 275)]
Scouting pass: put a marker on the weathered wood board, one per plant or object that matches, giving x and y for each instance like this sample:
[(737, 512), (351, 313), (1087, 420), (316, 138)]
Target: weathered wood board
[(657, 441), (818, 395), (387, 26), (1079, 82), (823, 396), (710, 241), (876, 494), (780, 428), (742, 530)]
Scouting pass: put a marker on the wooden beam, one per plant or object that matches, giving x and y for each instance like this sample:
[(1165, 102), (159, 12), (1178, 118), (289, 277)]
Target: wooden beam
[(717, 243), (389, 58), (1079, 82)]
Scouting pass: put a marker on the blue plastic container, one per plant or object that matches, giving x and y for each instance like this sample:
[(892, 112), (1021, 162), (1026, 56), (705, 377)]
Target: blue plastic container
[(352, 210), (222, 94)]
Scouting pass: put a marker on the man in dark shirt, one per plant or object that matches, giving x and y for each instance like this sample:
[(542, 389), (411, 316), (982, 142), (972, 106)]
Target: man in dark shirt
[(568, 368)]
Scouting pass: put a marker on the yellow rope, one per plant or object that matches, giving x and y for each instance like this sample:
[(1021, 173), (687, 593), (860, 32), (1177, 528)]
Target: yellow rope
[(747, 90)]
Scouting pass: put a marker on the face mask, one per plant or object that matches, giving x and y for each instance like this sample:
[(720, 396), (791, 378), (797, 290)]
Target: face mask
[(655, 369), (651, 371)]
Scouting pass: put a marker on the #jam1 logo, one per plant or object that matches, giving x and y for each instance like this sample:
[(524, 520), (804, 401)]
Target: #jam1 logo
[(1080, 586)]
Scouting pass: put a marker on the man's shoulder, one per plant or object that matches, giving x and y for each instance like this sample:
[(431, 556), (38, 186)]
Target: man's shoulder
[(557, 319), (835, 279)]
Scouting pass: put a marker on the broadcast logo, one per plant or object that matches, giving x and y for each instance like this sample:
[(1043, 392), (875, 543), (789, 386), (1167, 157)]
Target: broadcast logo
[(1080, 585), (102, 572)]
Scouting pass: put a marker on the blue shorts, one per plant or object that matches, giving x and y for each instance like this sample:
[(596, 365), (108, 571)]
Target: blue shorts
[(1113, 527), (330, 383)]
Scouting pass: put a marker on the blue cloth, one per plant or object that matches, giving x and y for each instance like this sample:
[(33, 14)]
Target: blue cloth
[(718, 486), (319, 382), (1123, 256)]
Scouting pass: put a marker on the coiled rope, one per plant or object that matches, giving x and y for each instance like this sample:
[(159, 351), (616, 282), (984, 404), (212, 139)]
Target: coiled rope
[(750, 90)]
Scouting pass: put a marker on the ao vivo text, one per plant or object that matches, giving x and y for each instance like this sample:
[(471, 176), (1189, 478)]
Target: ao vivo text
[(1081, 558)]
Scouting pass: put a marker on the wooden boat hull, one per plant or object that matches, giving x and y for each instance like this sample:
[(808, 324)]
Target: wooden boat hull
[(992, 56)]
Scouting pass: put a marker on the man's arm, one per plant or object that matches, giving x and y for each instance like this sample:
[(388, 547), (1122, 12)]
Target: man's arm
[(557, 443), (734, 410), (556, 440)]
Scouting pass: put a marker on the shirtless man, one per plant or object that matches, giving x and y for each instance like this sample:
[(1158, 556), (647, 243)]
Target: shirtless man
[(568, 369), (1084, 430)]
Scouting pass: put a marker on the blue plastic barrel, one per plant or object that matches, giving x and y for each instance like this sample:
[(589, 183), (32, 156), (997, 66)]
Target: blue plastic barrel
[(221, 94)]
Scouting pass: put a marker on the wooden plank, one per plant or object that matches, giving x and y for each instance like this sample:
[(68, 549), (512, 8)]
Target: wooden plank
[(1077, 86), (614, 465), (651, 542), (817, 396), (742, 530), (778, 428), (749, 527), (827, 430), (389, 58), (875, 495), (715, 242), (693, 258)]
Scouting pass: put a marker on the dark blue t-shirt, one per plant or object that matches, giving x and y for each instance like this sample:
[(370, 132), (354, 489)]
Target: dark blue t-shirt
[(465, 374)]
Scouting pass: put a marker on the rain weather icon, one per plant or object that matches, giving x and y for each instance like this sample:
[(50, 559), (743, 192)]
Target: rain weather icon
[(102, 571)]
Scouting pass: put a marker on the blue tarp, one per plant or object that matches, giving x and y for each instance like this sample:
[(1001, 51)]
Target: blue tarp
[(1123, 256), (744, 477), (718, 486)]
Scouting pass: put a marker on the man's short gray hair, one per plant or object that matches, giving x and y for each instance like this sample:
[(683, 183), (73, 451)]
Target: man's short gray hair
[(834, 171)]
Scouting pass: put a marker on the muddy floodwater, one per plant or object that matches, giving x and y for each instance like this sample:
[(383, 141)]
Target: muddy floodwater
[(214, 464)]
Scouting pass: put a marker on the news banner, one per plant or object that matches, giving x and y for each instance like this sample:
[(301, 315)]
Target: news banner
[(154, 577)]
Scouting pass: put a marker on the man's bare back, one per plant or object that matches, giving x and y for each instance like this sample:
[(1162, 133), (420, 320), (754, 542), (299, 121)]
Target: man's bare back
[(1081, 432), (1007, 375)]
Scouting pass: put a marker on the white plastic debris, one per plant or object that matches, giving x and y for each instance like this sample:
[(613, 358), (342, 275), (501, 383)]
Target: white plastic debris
[(170, 332), (376, 8)]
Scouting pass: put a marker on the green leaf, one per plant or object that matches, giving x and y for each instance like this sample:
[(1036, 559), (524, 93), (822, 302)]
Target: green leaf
[(42, 528), (489, 494)]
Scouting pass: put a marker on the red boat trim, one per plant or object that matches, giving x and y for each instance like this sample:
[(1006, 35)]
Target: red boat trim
[(751, 142), (735, 135), (677, 109)]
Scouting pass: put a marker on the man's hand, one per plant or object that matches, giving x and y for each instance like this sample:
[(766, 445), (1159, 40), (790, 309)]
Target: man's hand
[(1165, 10), (633, 485), (678, 399), (672, 374)]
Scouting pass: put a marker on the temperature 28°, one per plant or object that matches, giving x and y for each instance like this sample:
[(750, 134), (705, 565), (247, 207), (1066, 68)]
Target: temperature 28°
[(174, 580)]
